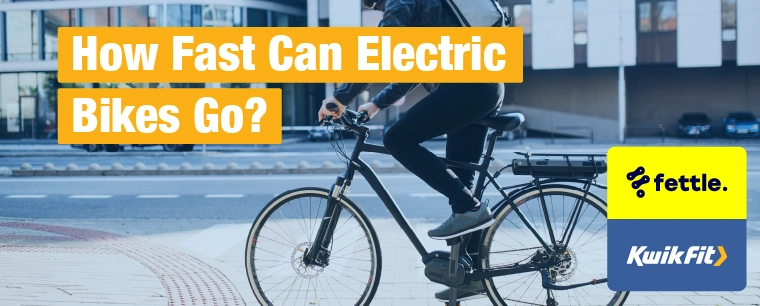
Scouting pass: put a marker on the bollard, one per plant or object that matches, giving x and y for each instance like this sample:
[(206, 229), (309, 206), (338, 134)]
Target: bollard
[(94, 166), (139, 166), (327, 164), (208, 166), (26, 167), (71, 167), (162, 167), (279, 165), (117, 166), (232, 166), (255, 165), (303, 165), (185, 166), (48, 167)]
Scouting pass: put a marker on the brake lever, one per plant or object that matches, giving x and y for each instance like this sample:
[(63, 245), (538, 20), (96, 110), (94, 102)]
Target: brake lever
[(364, 117)]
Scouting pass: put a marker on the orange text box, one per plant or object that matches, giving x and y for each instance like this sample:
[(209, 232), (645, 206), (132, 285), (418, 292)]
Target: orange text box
[(170, 116), (291, 55)]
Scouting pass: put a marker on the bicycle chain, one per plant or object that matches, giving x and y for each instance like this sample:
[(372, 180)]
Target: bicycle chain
[(517, 250), (511, 300)]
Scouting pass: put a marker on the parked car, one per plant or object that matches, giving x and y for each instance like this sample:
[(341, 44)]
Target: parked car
[(117, 148), (741, 124), (694, 125)]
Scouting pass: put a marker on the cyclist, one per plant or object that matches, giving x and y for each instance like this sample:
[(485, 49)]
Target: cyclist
[(448, 109)]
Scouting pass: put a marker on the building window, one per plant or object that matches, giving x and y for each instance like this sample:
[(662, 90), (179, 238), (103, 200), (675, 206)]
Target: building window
[(666, 16), (222, 16), (98, 17), (645, 17), (728, 12), (580, 12), (22, 32), (521, 17), (134, 16), (256, 18), (2, 30), (55, 19), (179, 15), (280, 20)]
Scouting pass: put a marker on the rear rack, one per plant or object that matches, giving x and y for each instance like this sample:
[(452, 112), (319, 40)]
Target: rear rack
[(559, 169)]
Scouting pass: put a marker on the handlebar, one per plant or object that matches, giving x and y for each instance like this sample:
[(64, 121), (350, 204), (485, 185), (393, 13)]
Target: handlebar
[(350, 119)]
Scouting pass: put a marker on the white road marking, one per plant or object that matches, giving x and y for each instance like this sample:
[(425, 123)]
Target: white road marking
[(90, 196), (362, 195), (425, 195), (283, 177), (225, 195), (158, 196), (430, 195), (26, 196)]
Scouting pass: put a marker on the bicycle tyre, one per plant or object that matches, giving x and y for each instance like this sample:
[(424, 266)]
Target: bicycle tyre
[(520, 198), (348, 205)]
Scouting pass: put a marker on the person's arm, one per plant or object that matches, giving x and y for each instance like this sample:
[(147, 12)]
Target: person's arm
[(392, 93), (346, 92), (397, 13)]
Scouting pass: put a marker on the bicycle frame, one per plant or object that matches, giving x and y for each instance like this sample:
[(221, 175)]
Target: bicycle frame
[(319, 253)]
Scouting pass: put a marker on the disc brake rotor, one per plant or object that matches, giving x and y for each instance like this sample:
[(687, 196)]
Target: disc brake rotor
[(296, 261)]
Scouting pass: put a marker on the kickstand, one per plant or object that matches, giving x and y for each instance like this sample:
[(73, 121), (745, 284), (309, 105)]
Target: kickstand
[(453, 267)]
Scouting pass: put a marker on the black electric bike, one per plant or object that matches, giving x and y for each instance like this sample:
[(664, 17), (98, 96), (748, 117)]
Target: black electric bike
[(547, 246)]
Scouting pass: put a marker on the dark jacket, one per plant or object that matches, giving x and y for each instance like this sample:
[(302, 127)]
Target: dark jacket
[(402, 13)]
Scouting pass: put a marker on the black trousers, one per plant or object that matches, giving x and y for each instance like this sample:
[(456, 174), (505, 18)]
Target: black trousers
[(451, 109)]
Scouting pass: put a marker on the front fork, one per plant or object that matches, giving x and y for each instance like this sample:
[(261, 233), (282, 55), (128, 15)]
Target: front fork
[(319, 253)]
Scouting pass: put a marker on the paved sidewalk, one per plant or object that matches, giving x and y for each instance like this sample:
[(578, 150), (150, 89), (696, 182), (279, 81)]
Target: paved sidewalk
[(189, 262)]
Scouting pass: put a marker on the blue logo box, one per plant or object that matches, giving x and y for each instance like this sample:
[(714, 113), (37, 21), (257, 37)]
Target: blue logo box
[(677, 255)]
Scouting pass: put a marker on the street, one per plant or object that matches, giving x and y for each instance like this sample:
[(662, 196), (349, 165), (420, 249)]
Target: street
[(96, 237)]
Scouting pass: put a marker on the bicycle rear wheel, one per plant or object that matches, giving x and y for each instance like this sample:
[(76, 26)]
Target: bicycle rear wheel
[(509, 241), (282, 233)]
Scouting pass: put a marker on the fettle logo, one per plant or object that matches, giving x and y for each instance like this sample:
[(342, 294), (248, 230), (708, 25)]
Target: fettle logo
[(684, 183), (636, 184)]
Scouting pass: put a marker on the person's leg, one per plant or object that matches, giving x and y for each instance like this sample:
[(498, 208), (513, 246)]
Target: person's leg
[(466, 145), (450, 108)]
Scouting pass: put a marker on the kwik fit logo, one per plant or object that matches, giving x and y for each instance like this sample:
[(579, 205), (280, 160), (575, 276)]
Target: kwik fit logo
[(694, 183), (677, 219), (696, 255)]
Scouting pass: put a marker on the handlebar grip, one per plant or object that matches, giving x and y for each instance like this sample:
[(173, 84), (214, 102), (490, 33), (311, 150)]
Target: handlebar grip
[(331, 106)]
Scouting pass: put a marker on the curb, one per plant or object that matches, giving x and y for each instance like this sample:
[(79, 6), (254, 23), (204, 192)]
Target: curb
[(255, 168)]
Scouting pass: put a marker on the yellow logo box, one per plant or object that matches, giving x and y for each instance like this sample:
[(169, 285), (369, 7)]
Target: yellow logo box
[(677, 183)]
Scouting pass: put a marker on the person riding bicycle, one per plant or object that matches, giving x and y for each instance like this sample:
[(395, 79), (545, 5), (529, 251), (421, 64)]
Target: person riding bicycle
[(449, 109)]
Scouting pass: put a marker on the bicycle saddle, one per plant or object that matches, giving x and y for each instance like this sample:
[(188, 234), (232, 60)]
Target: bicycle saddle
[(503, 121)]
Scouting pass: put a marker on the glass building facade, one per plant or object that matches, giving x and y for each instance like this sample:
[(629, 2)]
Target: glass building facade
[(29, 37)]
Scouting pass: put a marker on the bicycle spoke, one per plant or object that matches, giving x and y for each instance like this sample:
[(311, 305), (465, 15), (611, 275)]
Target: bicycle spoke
[(296, 282), (580, 222), (277, 242)]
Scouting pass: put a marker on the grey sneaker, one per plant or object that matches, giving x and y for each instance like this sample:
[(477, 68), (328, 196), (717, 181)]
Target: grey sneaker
[(460, 224), (471, 291)]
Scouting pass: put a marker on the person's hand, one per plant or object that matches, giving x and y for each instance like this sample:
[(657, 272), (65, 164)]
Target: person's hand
[(324, 112), (370, 108)]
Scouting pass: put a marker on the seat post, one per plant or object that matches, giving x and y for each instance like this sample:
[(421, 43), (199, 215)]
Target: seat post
[(454, 266), (492, 142)]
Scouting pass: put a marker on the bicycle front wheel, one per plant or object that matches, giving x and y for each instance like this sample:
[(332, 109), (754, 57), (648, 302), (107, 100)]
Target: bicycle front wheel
[(508, 242), (282, 233)]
